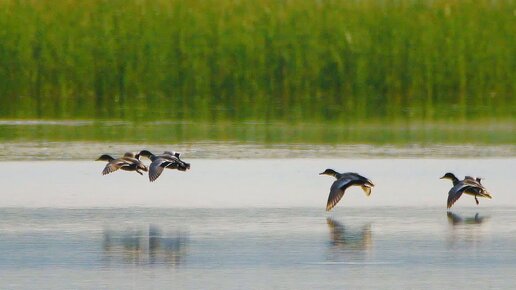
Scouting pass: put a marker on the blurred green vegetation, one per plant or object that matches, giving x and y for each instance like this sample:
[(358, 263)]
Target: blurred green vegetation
[(170, 132), (266, 60)]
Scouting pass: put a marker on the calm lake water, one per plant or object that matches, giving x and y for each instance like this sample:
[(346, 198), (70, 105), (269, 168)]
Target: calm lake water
[(267, 248), (251, 214), (255, 224)]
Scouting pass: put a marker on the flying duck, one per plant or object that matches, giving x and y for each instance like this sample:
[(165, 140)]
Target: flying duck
[(469, 185), (128, 162), (345, 180), (170, 160)]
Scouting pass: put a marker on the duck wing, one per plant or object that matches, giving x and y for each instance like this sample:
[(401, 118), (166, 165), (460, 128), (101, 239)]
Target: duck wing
[(135, 162), (114, 165), (337, 191), (156, 168), (457, 190), (140, 165)]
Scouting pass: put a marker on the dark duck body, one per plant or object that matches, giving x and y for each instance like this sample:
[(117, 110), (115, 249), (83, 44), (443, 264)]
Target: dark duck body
[(128, 162), (471, 186), (345, 180), (170, 160)]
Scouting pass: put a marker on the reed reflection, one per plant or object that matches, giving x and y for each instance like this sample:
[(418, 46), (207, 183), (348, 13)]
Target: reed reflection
[(348, 242), (145, 247)]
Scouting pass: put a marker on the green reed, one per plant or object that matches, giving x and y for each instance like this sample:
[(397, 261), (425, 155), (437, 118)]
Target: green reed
[(205, 60)]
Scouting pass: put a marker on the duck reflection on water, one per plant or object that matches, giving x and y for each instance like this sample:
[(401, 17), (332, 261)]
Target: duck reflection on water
[(465, 232), (349, 243), (141, 247), (455, 219)]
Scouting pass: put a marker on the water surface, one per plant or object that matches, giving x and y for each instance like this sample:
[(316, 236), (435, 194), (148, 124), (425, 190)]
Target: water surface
[(302, 248), (248, 182), (250, 214)]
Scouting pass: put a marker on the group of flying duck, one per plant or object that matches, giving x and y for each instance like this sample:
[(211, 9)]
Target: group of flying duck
[(131, 162), (171, 160)]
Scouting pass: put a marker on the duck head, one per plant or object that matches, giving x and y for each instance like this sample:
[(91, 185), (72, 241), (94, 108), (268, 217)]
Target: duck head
[(144, 153), (105, 157), (130, 154), (330, 172), (450, 176)]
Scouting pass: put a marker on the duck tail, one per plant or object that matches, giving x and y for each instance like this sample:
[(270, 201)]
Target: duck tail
[(484, 193), (366, 189)]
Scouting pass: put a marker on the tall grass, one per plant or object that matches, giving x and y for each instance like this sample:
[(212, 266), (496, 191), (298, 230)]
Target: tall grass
[(258, 60)]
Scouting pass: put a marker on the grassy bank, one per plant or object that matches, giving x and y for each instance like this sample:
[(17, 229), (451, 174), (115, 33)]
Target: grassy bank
[(258, 60)]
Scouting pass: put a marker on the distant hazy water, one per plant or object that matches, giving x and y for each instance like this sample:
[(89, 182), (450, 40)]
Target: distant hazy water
[(264, 182), (249, 248)]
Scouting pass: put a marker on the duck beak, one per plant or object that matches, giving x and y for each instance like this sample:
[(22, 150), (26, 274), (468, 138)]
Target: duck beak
[(321, 173), (488, 195), (443, 177)]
